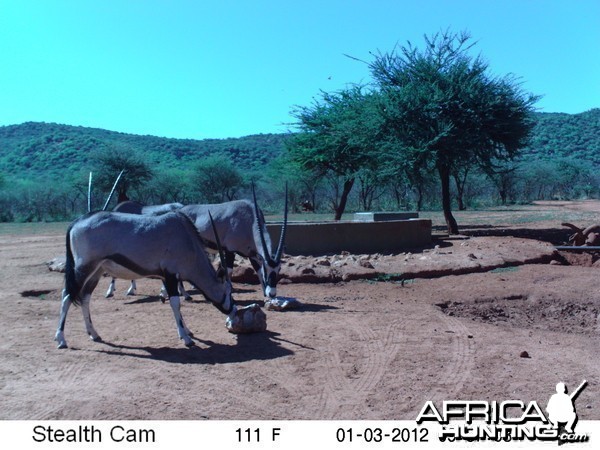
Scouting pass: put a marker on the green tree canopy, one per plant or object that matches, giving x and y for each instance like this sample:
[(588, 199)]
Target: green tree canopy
[(337, 136), (216, 179), (441, 107), (110, 162)]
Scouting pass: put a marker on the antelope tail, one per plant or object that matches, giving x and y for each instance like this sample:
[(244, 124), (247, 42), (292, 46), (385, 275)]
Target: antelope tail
[(571, 226), (71, 285)]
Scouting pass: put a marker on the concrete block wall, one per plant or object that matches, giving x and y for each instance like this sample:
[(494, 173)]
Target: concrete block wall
[(321, 238)]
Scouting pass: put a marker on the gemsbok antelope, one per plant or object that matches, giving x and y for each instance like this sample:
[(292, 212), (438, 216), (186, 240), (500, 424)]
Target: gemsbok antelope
[(133, 207), (132, 246), (241, 227)]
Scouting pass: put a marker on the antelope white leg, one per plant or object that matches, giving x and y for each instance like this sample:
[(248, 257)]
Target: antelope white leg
[(85, 310), (183, 292), (187, 330), (132, 288), (60, 331), (181, 328), (163, 293), (111, 288)]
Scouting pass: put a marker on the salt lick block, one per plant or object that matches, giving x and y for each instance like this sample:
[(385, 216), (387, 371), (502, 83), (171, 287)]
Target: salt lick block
[(248, 319), (281, 303)]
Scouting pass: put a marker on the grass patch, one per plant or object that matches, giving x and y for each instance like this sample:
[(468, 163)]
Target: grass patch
[(396, 278), (33, 228), (389, 277), (505, 269)]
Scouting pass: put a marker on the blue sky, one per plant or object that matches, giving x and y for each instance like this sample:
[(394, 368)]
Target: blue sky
[(225, 68)]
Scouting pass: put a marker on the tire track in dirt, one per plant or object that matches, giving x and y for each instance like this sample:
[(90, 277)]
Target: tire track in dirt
[(346, 396), (76, 381), (243, 403), (64, 384), (284, 376), (345, 392), (461, 364)]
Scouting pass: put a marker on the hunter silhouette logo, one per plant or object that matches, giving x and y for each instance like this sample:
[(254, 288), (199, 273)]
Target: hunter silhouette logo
[(561, 408)]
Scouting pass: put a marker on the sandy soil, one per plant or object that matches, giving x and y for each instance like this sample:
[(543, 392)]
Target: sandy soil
[(496, 316)]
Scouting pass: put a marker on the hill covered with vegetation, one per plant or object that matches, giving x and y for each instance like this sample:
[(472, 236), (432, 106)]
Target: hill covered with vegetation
[(567, 136), (37, 148), (44, 167)]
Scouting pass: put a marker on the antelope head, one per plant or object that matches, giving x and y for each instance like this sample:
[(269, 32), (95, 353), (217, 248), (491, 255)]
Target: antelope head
[(271, 265)]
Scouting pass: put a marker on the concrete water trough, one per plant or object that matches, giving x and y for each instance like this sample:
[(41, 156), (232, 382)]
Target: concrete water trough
[(358, 237), (384, 216)]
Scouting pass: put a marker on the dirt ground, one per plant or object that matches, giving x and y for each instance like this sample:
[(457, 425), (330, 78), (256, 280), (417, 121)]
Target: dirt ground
[(496, 314)]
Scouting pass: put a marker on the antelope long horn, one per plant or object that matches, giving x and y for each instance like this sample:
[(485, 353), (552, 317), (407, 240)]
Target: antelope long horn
[(590, 229), (113, 190), (219, 247), (260, 226), (90, 193), (279, 251)]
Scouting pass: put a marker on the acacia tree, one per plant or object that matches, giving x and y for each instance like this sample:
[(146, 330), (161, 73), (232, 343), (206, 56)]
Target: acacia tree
[(168, 185), (444, 108), (504, 178), (371, 184), (302, 184), (216, 179), (336, 138), (109, 163)]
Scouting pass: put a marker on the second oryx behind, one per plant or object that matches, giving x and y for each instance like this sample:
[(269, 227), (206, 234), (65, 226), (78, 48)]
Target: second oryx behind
[(241, 226), (242, 229)]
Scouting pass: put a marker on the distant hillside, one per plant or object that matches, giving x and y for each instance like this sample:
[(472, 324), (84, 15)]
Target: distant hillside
[(567, 135), (34, 148), (44, 166)]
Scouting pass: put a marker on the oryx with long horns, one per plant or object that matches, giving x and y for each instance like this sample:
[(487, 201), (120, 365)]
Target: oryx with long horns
[(242, 229), (132, 246)]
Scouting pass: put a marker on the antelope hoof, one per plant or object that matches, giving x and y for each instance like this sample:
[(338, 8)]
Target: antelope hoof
[(60, 338), (188, 298), (190, 344), (96, 339), (108, 296)]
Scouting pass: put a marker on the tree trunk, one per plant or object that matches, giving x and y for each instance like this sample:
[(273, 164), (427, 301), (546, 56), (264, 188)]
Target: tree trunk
[(460, 188), (343, 199), (502, 197), (446, 200), (419, 196)]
